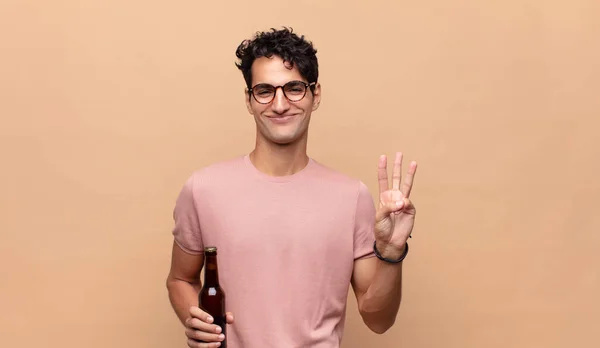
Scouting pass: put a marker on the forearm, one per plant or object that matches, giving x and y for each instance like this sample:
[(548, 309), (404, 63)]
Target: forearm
[(182, 296), (379, 305)]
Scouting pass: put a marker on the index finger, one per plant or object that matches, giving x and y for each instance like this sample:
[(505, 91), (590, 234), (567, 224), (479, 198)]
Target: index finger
[(382, 174), (196, 312), (408, 181)]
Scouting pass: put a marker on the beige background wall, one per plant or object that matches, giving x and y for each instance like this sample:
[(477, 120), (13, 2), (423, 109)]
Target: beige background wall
[(107, 106)]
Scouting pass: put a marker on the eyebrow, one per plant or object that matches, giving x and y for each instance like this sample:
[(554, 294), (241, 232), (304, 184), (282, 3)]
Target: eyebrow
[(272, 84)]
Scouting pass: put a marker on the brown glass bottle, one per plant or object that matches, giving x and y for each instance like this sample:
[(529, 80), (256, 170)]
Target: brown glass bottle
[(212, 296)]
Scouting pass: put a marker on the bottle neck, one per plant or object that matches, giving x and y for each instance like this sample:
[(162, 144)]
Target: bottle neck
[(211, 273)]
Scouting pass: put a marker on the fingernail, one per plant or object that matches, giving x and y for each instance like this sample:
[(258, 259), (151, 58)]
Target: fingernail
[(218, 329), (221, 337), (209, 319)]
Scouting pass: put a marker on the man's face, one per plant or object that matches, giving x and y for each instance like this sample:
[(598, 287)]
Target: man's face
[(280, 121)]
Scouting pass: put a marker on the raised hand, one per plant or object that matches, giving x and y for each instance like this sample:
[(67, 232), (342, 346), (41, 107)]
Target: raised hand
[(396, 214)]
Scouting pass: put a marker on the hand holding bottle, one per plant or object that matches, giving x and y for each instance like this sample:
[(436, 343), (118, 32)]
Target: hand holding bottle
[(201, 330)]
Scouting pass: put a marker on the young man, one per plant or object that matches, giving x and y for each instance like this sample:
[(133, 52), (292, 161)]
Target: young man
[(292, 234)]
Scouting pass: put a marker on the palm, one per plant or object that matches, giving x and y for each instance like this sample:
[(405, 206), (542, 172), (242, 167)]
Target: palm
[(394, 224)]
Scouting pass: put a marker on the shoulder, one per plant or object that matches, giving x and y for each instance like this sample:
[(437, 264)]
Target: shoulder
[(203, 180), (335, 178)]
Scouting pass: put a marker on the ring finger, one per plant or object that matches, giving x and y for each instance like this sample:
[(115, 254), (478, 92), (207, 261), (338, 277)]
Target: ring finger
[(196, 344), (203, 336)]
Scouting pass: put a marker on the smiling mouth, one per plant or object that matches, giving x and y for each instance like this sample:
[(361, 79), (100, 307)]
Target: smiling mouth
[(283, 116), (281, 119)]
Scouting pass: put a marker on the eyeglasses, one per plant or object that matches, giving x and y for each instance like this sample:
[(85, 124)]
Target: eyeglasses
[(294, 91)]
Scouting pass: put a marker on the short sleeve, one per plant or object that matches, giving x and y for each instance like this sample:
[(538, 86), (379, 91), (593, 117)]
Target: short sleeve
[(186, 230), (364, 224)]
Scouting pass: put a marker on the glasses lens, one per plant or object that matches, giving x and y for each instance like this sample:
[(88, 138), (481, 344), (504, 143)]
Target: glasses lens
[(263, 93), (294, 90)]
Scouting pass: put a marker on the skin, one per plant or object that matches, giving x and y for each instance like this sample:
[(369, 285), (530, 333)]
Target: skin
[(280, 149)]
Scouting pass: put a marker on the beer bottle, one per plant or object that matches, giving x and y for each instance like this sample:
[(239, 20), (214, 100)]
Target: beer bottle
[(212, 296)]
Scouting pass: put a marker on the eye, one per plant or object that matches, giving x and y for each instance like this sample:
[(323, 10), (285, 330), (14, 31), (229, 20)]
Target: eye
[(263, 90), (295, 88)]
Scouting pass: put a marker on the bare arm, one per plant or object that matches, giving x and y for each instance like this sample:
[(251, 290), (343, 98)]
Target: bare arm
[(378, 289), (376, 283), (183, 281)]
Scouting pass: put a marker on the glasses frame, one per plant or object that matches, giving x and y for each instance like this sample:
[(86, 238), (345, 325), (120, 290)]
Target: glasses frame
[(307, 86)]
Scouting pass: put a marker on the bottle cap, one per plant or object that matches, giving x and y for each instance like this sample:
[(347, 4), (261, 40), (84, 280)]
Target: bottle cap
[(210, 249)]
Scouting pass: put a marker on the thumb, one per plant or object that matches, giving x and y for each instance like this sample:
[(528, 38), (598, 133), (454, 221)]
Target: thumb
[(388, 208), (229, 317)]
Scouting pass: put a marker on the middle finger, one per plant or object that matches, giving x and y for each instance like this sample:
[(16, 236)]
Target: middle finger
[(396, 176)]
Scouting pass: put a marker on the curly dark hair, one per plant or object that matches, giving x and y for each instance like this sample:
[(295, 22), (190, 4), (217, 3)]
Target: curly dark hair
[(293, 49)]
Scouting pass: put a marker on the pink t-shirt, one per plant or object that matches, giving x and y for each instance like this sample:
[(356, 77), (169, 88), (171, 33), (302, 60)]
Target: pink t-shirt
[(286, 247)]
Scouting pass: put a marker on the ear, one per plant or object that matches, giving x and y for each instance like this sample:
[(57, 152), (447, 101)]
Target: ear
[(247, 97), (316, 96)]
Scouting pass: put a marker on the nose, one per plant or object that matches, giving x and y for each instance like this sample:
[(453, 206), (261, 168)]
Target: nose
[(280, 103)]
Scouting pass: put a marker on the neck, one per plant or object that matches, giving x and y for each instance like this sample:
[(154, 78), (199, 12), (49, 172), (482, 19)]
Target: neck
[(211, 273), (279, 160)]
